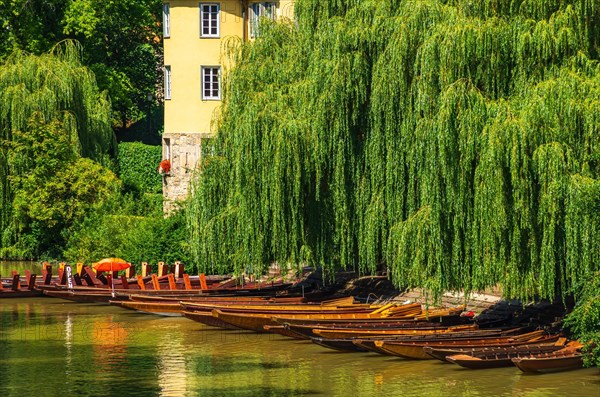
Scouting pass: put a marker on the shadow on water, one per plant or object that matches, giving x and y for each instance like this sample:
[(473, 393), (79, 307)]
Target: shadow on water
[(209, 365), (257, 392)]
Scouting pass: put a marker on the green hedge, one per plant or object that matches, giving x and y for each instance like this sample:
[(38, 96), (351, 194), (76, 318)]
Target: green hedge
[(138, 167)]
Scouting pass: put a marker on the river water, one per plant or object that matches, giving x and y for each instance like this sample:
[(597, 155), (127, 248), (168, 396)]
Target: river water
[(52, 347), (6, 267)]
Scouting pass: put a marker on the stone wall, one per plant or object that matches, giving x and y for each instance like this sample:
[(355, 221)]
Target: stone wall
[(183, 151)]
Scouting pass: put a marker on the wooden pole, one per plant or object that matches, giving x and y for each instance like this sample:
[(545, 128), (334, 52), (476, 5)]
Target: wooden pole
[(15, 283), (162, 269), (172, 284), (31, 281), (179, 271), (155, 282), (186, 281), (140, 281), (146, 269), (203, 284), (129, 272)]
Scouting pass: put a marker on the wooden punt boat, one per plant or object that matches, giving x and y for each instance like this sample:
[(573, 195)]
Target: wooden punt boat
[(212, 297), (366, 343), (408, 313), (20, 293), (171, 309), (562, 360), (414, 349), (370, 343), (84, 297), (280, 308), (498, 357), (208, 319), (388, 331), (253, 321), (280, 330), (249, 289), (256, 319), (440, 353), (121, 291), (308, 331), (344, 345)]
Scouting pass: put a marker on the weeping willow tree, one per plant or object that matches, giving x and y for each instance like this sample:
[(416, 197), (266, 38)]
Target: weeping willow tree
[(455, 142), (53, 89)]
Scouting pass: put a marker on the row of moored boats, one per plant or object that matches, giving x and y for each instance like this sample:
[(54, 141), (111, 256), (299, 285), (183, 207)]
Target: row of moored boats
[(402, 330)]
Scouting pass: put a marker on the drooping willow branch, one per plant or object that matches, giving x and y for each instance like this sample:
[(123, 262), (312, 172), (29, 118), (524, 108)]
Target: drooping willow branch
[(54, 87), (455, 142)]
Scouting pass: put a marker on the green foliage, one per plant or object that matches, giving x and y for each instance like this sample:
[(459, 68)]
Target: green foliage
[(120, 42), (52, 187), (138, 164), (51, 113), (584, 321), (122, 46), (32, 26), (57, 188), (132, 227), (455, 142)]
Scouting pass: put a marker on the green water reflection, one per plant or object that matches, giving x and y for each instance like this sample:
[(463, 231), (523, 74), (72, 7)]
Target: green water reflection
[(6, 267), (50, 347)]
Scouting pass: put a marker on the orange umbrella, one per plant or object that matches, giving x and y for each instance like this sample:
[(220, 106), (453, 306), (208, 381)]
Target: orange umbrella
[(111, 265)]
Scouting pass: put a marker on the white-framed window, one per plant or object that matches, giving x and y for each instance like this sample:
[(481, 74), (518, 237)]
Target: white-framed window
[(166, 20), (263, 9), (210, 19), (167, 82), (211, 83)]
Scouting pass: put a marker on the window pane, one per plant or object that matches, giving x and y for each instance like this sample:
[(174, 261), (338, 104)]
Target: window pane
[(209, 19), (210, 83)]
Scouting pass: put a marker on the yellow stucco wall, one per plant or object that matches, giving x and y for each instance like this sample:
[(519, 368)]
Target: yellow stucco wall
[(186, 52)]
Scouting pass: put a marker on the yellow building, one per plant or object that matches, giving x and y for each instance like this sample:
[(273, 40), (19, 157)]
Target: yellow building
[(194, 32)]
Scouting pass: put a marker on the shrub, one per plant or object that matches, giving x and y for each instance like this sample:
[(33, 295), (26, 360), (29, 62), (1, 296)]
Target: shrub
[(138, 165)]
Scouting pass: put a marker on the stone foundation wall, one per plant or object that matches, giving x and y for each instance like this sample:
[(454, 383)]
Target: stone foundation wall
[(183, 151)]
